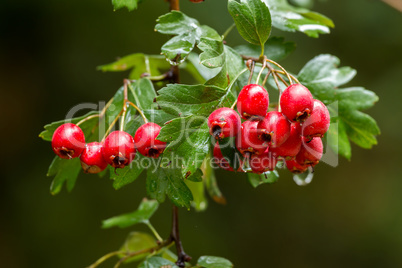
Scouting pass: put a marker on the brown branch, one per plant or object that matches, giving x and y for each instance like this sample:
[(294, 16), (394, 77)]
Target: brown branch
[(182, 257), (174, 5), (397, 4)]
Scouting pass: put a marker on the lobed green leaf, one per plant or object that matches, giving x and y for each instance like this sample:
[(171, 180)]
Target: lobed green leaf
[(213, 262), (64, 171), (290, 18), (144, 212), (253, 20)]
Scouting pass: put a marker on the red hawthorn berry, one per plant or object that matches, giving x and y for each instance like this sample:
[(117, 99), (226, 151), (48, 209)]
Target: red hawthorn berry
[(318, 123), (247, 141), (118, 149), (68, 141), (146, 142), (253, 101), (294, 167), (274, 129), (263, 163), (92, 159), (296, 103), (310, 152), (291, 147), (224, 122)]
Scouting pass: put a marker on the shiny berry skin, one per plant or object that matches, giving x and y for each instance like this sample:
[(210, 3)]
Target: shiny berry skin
[(118, 149), (294, 167), (318, 123), (296, 103), (219, 159), (247, 141), (92, 159), (146, 142), (291, 147), (274, 129), (224, 122), (253, 101), (311, 151), (262, 163), (68, 141)]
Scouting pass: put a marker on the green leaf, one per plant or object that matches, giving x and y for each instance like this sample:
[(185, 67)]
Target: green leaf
[(356, 98), (322, 77), (189, 140), (213, 262), (253, 20), (139, 64), (213, 54), (186, 31), (168, 181), (198, 71), (184, 100), (129, 4), (64, 170), (361, 128), (86, 127), (267, 177), (128, 174), (144, 212), (157, 262), (234, 64), (275, 49), (143, 93), (289, 18), (200, 202), (137, 241)]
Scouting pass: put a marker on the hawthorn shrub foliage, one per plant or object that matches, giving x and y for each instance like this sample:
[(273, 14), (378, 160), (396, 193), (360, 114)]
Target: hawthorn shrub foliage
[(152, 107)]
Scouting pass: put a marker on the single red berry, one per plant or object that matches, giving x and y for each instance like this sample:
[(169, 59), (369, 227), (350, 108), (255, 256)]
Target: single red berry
[(247, 141), (219, 159), (197, 1), (294, 167), (263, 163), (146, 142), (291, 147), (224, 122), (68, 141), (253, 101), (318, 123), (310, 152), (118, 149), (274, 129), (296, 103), (92, 159)]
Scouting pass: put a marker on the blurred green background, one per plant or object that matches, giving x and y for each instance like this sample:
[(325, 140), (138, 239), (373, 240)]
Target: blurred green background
[(350, 216)]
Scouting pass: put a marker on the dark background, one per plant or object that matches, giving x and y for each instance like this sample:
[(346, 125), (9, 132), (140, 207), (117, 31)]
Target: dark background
[(350, 216)]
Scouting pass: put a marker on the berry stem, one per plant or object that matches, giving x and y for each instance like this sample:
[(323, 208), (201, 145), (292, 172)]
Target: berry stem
[(153, 230), (87, 118), (139, 111), (280, 67), (262, 69), (266, 78), (251, 71), (105, 257), (231, 85), (174, 5), (111, 125), (227, 32)]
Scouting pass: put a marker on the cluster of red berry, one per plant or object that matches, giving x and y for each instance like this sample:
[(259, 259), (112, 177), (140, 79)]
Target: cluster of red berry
[(118, 149), (292, 134)]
